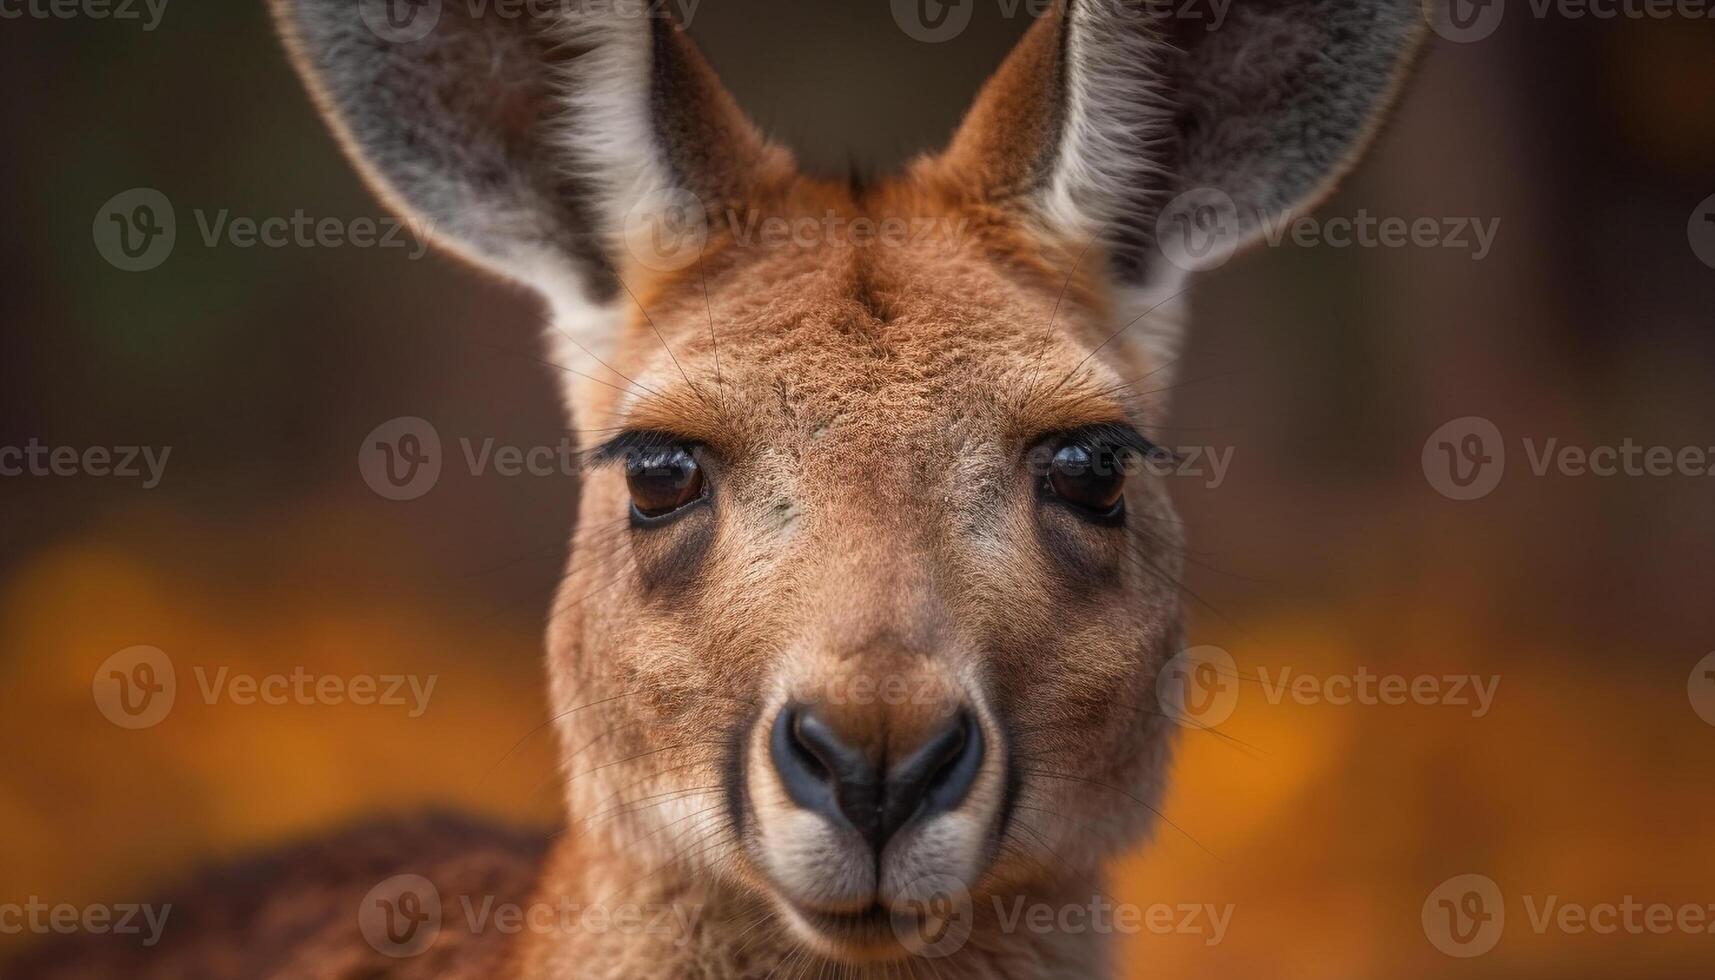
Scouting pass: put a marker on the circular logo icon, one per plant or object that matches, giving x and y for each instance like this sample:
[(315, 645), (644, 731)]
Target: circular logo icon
[(135, 687), (401, 916), (1465, 458), (1701, 231), (400, 21), (1464, 916), (933, 21), (1199, 687), (933, 917), (666, 230), (400, 459), (1199, 229), (1463, 21), (134, 231), (1700, 687)]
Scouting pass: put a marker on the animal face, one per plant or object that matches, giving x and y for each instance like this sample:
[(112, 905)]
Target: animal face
[(882, 557), (872, 576)]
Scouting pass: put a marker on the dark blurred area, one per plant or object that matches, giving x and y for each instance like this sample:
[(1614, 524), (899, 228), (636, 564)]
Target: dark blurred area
[(1589, 143)]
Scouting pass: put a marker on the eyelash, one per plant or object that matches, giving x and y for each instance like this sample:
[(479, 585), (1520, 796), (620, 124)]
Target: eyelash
[(1106, 436), (615, 451)]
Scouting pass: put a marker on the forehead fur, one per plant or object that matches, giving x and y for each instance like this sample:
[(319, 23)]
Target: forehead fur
[(895, 308)]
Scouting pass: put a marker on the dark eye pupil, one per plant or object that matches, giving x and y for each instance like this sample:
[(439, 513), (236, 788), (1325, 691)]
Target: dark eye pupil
[(663, 480), (1089, 477)]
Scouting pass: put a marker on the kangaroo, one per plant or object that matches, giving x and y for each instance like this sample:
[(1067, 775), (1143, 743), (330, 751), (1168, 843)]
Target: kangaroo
[(858, 644)]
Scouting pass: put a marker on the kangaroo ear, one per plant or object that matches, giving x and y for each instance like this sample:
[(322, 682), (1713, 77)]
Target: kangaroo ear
[(1119, 119), (527, 143)]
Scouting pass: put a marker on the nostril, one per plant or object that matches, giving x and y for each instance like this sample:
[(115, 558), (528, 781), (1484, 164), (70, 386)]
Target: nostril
[(937, 777), (954, 752), (823, 773), (805, 753)]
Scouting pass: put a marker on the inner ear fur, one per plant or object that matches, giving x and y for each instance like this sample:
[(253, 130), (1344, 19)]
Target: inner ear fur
[(1107, 110), (523, 142)]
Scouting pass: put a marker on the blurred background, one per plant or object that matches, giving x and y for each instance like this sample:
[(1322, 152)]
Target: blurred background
[(1326, 549)]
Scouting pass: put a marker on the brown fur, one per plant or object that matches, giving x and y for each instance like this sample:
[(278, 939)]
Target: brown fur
[(863, 412)]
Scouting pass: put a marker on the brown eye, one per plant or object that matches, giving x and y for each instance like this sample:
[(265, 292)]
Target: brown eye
[(1089, 478), (662, 480)]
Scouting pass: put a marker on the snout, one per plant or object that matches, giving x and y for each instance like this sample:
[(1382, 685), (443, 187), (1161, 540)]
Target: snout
[(849, 779), (860, 803)]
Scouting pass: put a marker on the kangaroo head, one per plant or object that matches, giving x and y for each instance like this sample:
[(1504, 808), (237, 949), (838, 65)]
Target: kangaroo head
[(872, 579)]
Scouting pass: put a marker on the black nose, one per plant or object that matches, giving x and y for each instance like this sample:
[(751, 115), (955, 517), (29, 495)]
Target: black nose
[(828, 774)]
